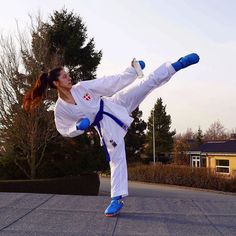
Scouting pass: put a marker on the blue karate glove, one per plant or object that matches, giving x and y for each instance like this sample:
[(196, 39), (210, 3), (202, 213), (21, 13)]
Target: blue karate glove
[(83, 124)]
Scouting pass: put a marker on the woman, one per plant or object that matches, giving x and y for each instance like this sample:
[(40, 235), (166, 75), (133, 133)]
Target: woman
[(105, 103)]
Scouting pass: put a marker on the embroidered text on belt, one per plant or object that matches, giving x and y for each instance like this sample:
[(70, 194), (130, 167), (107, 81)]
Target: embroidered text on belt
[(96, 123)]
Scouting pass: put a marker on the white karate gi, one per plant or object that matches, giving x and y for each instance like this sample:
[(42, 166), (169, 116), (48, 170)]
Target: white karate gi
[(119, 100)]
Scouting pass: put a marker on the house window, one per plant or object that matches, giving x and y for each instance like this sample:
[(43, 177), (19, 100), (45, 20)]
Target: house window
[(196, 161), (222, 166)]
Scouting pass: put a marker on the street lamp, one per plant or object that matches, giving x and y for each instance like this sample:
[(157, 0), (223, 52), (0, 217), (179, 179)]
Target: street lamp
[(153, 138)]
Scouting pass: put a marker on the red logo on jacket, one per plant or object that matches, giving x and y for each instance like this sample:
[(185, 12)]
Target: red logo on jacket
[(87, 97)]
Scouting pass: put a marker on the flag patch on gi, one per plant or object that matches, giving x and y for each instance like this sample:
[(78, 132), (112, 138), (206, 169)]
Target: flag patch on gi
[(87, 97)]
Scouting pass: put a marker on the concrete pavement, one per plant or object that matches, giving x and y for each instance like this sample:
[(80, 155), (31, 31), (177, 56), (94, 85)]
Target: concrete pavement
[(173, 211)]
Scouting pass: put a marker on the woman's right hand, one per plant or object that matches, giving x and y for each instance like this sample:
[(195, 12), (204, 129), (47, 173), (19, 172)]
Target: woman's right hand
[(83, 124), (138, 66)]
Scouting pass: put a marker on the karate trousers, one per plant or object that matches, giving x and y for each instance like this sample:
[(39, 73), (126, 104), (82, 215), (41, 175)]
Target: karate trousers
[(130, 97)]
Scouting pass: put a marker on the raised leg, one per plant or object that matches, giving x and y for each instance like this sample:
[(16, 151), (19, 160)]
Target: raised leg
[(131, 96)]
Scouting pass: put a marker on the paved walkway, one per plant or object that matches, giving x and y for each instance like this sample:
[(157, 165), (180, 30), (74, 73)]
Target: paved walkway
[(149, 210)]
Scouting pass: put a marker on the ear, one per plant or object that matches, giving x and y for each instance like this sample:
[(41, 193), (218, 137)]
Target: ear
[(55, 83)]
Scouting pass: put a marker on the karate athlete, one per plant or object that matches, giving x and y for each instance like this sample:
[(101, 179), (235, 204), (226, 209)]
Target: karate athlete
[(105, 103)]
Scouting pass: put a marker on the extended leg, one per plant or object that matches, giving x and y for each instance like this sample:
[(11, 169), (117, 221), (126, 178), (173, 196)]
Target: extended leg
[(131, 96)]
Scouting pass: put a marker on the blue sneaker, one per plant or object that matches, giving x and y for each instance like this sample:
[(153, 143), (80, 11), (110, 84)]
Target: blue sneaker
[(114, 208), (186, 61)]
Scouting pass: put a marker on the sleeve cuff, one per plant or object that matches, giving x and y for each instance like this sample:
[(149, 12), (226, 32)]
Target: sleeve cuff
[(73, 132)]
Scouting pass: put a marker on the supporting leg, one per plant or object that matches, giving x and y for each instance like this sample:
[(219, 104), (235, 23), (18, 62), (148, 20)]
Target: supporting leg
[(119, 180), (119, 175)]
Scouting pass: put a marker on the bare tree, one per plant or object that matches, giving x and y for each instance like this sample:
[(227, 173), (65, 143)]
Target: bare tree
[(189, 134), (62, 41), (180, 149), (24, 136), (216, 132), (231, 134)]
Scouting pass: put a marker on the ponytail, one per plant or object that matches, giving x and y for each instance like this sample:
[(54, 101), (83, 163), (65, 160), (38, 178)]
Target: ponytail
[(34, 96)]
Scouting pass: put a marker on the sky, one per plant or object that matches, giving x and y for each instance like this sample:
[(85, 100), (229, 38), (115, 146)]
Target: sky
[(157, 31)]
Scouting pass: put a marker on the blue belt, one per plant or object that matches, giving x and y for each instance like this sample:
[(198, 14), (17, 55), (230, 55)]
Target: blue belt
[(96, 123)]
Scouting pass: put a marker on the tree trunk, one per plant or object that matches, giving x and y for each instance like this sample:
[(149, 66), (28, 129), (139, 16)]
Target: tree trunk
[(33, 166)]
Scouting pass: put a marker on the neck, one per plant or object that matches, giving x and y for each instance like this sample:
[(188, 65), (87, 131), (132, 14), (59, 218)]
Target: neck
[(64, 94)]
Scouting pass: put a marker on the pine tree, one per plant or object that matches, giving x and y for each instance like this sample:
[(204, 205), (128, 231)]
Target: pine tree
[(135, 137), (163, 135), (67, 37), (199, 137)]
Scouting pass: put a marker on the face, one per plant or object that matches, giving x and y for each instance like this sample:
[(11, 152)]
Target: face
[(64, 81)]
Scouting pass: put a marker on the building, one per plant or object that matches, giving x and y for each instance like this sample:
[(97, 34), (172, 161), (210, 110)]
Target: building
[(220, 156)]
